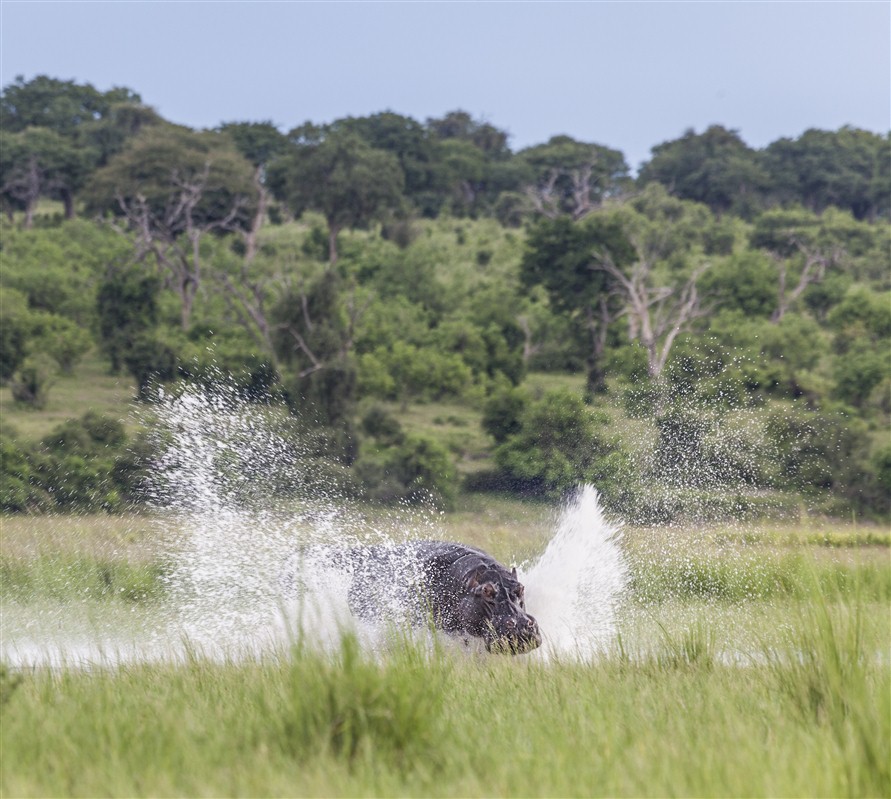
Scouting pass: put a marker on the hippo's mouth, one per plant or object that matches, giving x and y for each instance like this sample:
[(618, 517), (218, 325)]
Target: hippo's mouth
[(512, 644)]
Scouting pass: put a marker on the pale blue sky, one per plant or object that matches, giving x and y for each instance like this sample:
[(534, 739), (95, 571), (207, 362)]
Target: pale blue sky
[(625, 74)]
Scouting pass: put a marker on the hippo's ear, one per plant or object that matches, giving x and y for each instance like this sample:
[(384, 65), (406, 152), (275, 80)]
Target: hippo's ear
[(513, 572), (487, 590), (473, 581)]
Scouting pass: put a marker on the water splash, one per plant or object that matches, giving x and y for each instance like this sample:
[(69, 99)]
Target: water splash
[(699, 453), (575, 587), (234, 559), (233, 490), (250, 537)]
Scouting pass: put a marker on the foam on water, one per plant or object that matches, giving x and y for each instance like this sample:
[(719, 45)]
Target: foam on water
[(249, 571)]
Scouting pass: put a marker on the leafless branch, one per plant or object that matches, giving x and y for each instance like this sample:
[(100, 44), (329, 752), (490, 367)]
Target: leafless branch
[(652, 318), (816, 262)]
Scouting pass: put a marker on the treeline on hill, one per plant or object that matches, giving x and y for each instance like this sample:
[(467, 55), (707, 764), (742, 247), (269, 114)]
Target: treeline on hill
[(731, 305)]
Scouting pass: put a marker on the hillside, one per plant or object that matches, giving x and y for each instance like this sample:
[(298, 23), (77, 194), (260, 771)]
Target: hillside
[(429, 312)]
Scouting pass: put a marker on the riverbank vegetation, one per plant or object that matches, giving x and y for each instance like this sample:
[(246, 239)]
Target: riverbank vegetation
[(439, 315)]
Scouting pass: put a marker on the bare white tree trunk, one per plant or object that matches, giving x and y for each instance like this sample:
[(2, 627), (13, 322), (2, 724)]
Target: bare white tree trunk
[(816, 262), (180, 266), (546, 199), (656, 314), (530, 348), (250, 237)]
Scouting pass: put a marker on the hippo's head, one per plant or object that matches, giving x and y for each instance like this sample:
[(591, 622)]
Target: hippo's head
[(494, 608)]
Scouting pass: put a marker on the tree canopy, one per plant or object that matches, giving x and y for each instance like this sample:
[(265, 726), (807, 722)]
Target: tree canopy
[(355, 266), (342, 177)]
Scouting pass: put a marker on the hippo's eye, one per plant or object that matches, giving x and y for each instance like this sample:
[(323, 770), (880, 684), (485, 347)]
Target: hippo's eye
[(489, 590)]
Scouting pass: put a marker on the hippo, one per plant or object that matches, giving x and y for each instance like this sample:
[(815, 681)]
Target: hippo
[(458, 589)]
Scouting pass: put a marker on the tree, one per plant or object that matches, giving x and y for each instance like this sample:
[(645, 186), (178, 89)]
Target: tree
[(342, 177), (848, 168), (127, 307), (410, 142), (311, 325), (862, 325), (559, 255), (462, 126), (106, 137), (62, 339), (260, 143), (173, 187), (474, 163), (656, 313), (659, 284), (746, 282), (715, 167), (60, 106), (572, 177), (37, 162), (803, 248), (313, 335), (56, 132), (641, 259), (463, 171)]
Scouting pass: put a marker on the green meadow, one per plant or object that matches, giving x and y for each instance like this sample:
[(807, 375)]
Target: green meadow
[(748, 662)]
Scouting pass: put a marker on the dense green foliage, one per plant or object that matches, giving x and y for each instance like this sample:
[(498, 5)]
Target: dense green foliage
[(730, 309), (84, 464)]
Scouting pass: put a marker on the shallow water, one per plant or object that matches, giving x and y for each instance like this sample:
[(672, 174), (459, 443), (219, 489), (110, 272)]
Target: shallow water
[(247, 578)]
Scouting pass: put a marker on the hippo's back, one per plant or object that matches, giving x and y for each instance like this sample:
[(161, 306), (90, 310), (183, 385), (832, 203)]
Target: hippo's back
[(409, 580)]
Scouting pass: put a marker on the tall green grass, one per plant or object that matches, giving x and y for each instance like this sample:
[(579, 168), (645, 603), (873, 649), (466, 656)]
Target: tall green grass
[(808, 717), (67, 577), (762, 675), (828, 673), (757, 576)]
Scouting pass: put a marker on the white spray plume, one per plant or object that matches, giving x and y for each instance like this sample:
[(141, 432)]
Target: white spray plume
[(574, 588)]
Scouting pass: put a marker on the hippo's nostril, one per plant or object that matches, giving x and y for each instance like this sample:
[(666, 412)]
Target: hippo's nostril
[(510, 623)]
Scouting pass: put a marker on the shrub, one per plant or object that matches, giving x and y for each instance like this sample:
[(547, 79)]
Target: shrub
[(697, 448), (16, 329), (60, 338), (502, 412), (151, 361), (383, 426), (404, 371), (560, 443), (31, 384), (859, 371), (19, 483), (826, 451), (418, 469), (85, 464)]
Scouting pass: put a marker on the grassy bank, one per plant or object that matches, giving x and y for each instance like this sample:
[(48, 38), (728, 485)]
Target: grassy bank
[(749, 661), (808, 719), (91, 388)]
